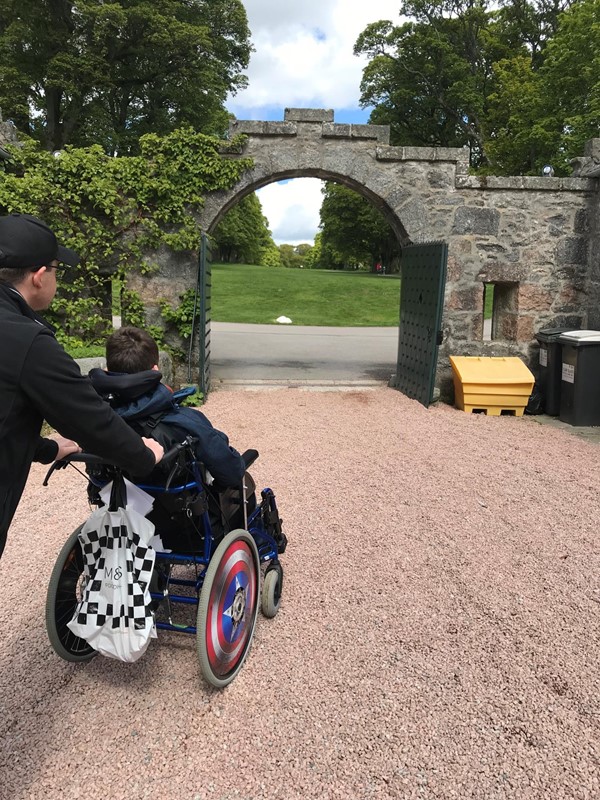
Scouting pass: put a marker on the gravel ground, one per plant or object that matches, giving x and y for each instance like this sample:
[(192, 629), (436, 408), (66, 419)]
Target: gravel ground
[(438, 636)]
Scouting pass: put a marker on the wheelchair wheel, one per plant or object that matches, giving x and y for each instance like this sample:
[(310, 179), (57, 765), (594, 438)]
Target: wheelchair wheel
[(271, 591), (64, 592), (228, 608)]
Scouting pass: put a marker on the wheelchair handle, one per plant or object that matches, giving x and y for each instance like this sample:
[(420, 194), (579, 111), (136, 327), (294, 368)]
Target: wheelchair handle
[(89, 458)]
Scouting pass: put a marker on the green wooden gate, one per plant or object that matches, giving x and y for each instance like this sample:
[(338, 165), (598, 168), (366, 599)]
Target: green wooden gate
[(423, 270), (204, 293)]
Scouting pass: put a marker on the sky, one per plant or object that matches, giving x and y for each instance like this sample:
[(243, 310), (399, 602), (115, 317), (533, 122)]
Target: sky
[(303, 59)]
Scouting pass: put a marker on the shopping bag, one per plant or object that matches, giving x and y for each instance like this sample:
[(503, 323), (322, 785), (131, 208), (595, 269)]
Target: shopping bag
[(115, 615)]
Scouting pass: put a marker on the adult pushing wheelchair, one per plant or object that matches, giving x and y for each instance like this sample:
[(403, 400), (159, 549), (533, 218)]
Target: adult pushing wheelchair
[(217, 551)]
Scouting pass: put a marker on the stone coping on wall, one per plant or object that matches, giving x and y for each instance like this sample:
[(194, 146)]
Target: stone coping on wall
[(526, 182), (391, 153), (329, 130)]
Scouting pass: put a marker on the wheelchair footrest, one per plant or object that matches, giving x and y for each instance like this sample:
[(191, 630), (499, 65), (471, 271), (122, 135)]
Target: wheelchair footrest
[(271, 519)]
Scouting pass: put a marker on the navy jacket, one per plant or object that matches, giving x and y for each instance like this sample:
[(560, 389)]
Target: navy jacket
[(141, 397)]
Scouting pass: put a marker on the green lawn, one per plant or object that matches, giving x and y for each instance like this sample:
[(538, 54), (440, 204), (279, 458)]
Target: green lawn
[(246, 293)]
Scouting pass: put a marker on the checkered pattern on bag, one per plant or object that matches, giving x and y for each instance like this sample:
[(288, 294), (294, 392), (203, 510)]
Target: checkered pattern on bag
[(138, 559)]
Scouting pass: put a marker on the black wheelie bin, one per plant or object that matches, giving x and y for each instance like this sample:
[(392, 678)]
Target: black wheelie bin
[(580, 378), (550, 368)]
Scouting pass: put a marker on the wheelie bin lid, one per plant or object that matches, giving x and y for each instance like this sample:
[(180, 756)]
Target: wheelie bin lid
[(550, 334), (580, 338)]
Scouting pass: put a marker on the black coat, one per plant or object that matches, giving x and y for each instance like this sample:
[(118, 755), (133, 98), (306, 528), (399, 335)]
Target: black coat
[(38, 381)]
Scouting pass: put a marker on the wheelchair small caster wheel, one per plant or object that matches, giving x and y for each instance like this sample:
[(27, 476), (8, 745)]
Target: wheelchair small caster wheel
[(228, 608), (271, 591)]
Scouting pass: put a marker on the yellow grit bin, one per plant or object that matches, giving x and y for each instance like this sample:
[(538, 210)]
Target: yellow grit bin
[(492, 385)]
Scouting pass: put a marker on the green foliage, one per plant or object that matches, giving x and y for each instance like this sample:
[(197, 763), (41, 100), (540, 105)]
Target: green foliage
[(114, 211), (247, 293), (183, 315), (429, 77), (313, 257), (570, 83), (294, 256), (243, 235), (354, 232), (86, 351), (89, 71), (194, 400), (270, 256), (518, 84)]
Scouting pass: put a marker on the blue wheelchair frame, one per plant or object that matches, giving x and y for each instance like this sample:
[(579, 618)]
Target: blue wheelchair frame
[(266, 545), (227, 585)]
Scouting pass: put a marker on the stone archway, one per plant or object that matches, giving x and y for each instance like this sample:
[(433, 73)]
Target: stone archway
[(536, 239)]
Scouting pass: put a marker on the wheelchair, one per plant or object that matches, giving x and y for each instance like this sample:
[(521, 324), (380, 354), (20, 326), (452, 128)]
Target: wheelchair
[(219, 555)]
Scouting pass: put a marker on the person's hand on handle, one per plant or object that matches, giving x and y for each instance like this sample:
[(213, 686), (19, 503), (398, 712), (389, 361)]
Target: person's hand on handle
[(65, 447), (156, 448)]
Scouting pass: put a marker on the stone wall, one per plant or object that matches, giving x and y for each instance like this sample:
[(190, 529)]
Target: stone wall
[(535, 238)]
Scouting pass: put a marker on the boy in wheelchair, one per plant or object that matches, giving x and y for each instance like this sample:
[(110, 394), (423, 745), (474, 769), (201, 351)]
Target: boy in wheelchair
[(132, 385)]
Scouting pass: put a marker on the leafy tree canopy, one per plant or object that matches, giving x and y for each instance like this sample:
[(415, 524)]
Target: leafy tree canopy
[(353, 231), (243, 234), (467, 72), (83, 72), (116, 211)]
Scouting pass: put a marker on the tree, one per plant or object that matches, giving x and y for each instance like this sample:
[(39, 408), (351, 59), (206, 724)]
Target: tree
[(117, 213), (243, 234), (570, 83), (452, 76), (353, 231), (429, 77), (87, 71), (294, 256)]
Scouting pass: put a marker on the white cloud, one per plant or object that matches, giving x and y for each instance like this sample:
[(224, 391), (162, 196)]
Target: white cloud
[(304, 52), (292, 209), (303, 58)]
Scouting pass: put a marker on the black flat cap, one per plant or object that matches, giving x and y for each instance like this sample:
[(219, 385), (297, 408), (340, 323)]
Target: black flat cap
[(26, 241)]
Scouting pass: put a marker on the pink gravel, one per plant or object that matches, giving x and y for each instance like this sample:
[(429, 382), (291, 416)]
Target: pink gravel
[(438, 636)]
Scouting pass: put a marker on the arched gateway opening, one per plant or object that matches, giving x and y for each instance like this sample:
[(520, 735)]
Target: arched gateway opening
[(534, 240)]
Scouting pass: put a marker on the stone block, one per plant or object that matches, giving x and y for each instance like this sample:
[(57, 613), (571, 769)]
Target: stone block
[(534, 298), (571, 250), (591, 149), (497, 252), (332, 130), (438, 179), (502, 273), (308, 115), (419, 153), (454, 269), (344, 131), (525, 328), (478, 221), (466, 299), (567, 301), (460, 155), (388, 153), (506, 326), (582, 221), (256, 128)]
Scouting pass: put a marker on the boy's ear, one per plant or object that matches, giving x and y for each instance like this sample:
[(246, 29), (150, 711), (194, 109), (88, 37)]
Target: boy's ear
[(155, 367)]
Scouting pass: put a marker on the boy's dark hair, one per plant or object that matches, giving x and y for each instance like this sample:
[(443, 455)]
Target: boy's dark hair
[(130, 350)]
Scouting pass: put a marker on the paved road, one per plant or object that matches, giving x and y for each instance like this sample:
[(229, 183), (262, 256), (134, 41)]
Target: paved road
[(284, 352)]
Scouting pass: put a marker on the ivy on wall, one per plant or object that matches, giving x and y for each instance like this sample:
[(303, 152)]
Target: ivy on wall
[(114, 211)]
